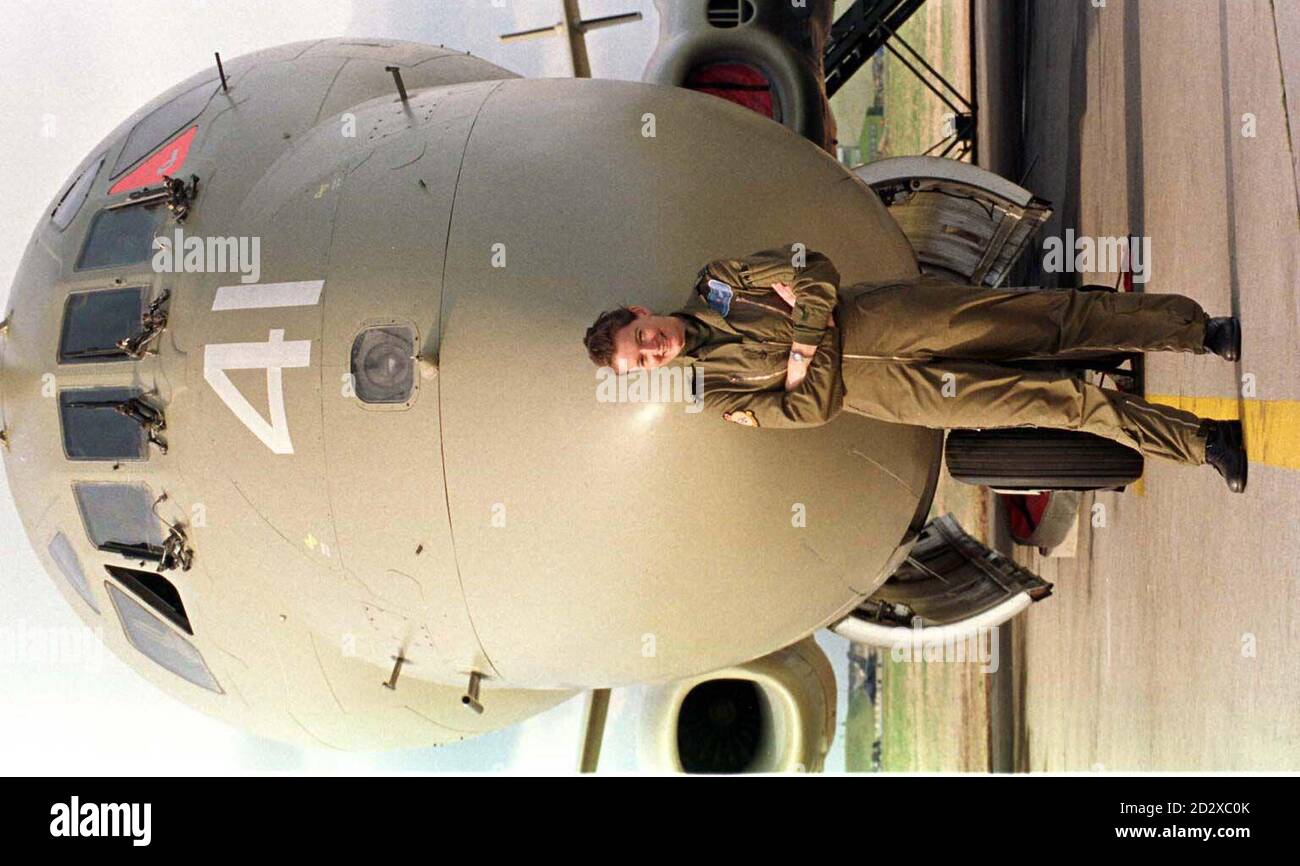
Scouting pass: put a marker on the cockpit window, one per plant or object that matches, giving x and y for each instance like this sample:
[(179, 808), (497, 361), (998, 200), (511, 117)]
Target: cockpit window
[(93, 322), (94, 429), (162, 123), (122, 236), (154, 590), (66, 210), (153, 637), (383, 364), (118, 515), (60, 550)]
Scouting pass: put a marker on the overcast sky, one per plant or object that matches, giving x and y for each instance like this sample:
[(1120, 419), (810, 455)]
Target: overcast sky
[(70, 71)]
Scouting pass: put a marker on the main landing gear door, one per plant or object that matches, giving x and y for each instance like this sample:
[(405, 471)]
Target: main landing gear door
[(965, 223), (950, 587)]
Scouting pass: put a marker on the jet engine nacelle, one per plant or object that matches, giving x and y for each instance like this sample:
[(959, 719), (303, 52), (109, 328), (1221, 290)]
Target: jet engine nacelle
[(770, 715), (763, 54)]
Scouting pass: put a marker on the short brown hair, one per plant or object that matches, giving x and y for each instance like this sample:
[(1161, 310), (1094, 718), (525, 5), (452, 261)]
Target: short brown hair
[(600, 336)]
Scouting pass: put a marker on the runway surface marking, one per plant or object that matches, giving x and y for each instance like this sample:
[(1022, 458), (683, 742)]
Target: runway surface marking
[(1272, 426)]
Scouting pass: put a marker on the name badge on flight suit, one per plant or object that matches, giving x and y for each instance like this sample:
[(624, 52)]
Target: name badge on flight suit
[(719, 297)]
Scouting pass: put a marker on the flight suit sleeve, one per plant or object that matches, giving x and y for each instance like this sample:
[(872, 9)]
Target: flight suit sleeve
[(817, 399), (816, 285)]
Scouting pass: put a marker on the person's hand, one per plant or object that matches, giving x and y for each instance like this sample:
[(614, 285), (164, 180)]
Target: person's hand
[(786, 292), (795, 371)]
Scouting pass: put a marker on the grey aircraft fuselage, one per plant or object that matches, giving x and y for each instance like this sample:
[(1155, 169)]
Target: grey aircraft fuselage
[(502, 518)]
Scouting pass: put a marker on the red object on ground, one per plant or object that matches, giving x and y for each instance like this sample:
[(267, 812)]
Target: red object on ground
[(735, 82), (1024, 512), (166, 160)]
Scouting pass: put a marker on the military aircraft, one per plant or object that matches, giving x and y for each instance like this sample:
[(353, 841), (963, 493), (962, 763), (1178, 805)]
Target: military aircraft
[(294, 405)]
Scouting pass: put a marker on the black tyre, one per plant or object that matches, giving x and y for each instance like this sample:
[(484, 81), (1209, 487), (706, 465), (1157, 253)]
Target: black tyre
[(1033, 458)]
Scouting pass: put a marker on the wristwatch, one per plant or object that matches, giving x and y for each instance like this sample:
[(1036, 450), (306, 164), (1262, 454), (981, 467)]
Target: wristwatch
[(797, 356)]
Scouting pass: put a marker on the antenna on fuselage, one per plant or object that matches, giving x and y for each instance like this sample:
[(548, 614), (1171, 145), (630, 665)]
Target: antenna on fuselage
[(221, 70), (397, 78)]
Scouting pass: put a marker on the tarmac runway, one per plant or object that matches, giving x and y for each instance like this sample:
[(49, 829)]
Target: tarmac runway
[(1173, 639)]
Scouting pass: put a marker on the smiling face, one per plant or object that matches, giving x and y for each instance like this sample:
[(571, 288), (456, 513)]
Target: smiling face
[(647, 342)]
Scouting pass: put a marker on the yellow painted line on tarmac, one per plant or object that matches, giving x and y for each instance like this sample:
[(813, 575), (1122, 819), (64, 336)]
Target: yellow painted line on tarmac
[(1272, 427)]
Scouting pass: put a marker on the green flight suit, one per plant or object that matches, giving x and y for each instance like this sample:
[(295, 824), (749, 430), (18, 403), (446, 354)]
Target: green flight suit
[(926, 352)]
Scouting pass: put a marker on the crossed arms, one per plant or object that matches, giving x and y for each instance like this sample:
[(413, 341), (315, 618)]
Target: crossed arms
[(814, 390)]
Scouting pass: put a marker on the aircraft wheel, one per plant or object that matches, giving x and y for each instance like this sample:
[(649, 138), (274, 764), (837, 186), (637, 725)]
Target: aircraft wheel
[(1032, 458)]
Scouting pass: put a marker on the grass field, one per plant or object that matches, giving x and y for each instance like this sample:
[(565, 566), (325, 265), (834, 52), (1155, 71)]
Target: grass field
[(912, 117), (933, 716), (930, 716)]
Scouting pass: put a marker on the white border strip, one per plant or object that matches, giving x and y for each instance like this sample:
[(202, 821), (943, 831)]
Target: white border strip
[(262, 295)]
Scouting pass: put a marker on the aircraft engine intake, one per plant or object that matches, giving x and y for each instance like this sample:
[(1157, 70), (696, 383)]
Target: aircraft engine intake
[(771, 715)]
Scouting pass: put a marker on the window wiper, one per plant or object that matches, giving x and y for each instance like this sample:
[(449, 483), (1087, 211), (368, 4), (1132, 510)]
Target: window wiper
[(97, 352), (172, 554), (144, 552), (152, 323), (179, 196), (148, 417), (175, 550)]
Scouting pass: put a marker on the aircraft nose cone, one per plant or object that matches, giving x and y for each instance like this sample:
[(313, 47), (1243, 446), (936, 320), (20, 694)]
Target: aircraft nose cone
[(562, 579)]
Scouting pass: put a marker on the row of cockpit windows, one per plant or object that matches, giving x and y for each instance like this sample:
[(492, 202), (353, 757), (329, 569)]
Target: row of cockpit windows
[(109, 423), (98, 425), (96, 422), (105, 423)]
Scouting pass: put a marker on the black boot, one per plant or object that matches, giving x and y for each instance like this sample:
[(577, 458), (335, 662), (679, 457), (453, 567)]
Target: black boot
[(1225, 450), (1223, 337)]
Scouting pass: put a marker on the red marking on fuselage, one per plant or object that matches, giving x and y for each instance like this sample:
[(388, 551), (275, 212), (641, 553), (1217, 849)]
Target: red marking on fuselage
[(166, 160)]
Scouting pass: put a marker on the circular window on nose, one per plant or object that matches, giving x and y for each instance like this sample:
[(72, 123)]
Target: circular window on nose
[(383, 364)]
